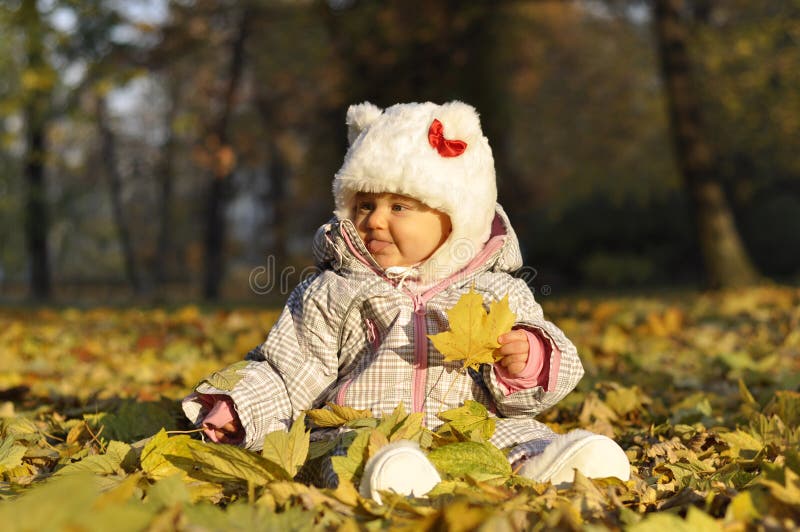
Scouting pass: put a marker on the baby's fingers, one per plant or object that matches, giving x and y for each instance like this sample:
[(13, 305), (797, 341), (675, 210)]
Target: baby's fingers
[(514, 364), (510, 360), (516, 347), (224, 434)]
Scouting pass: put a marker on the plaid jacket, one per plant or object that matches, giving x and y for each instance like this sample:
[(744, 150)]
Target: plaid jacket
[(349, 335)]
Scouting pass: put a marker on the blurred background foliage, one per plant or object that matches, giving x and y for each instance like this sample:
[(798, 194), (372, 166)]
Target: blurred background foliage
[(166, 148)]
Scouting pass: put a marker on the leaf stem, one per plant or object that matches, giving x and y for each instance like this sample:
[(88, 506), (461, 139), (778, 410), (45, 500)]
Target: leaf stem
[(185, 431), (450, 388)]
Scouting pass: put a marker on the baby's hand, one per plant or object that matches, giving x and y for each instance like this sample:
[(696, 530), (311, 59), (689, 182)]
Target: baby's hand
[(514, 349), (227, 433)]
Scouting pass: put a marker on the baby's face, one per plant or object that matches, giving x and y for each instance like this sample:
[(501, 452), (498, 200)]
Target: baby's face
[(398, 230)]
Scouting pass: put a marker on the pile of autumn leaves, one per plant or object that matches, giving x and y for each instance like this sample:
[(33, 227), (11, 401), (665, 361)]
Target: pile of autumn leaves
[(701, 391)]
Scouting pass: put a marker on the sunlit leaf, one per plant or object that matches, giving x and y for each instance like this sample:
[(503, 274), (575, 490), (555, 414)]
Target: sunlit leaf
[(471, 417), (227, 463), (105, 464), (741, 444), (10, 454), (336, 415), (473, 334), (288, 450), (351, 466), (227, 378)]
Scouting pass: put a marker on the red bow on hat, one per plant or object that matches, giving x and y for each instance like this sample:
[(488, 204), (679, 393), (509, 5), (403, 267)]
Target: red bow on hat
[(445, 147)]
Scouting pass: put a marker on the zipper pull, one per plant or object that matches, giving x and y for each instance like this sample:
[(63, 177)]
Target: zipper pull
[(419, 306)]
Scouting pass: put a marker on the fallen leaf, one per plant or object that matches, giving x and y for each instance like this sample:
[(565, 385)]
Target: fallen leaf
[(479, 460), (288, 449)]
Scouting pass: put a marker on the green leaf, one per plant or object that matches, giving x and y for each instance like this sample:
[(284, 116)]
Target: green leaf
[(220, 463), (153, 459), (388, 423), (260, 519), (350, 467), (479, 460), (227, 378), (320, 448), (288, 450), (625, 400), (134, 420), (741, 444), (10, 454), (471, 417), (699, 521), (659, 522), (109, 463), (742, 508), (127, 488), (410, 428), (786, 405), (169, 491), (51, 506), (783, 484)]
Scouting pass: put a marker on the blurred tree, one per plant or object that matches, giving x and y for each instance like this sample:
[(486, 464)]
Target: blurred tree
[(217, 142), (749, 60), (292, 92), (69, 54), (726, 260), (165, 174), (38, 81), (211, 34), (12, 240), (108, 150)]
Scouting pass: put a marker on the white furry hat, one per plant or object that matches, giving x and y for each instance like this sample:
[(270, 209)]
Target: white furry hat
[(436, 154)]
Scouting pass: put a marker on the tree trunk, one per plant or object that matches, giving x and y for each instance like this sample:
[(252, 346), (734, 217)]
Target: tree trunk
[(165, 179), (278, 176), (108, 153), (727, 263), (222, 169), (36, 108)]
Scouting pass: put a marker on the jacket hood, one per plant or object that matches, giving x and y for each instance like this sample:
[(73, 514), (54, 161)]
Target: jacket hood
[(436, 154), (337, 246)]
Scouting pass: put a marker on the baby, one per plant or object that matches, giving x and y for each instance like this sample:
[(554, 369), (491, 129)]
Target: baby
[(416, 226)]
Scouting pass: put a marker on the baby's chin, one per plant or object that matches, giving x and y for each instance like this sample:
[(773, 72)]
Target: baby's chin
[(393, 262)]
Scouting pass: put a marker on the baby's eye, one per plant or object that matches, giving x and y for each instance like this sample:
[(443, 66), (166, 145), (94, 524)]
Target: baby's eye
[(397, 207), (365, 206)]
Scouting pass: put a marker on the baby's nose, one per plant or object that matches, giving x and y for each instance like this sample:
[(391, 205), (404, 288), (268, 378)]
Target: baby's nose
[(376, 219)]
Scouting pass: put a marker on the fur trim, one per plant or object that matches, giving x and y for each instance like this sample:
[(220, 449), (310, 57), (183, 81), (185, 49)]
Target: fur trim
[(359, 117), (390, 152)]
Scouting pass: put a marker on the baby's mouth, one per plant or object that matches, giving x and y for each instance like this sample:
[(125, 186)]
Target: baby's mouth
[(376, 246)]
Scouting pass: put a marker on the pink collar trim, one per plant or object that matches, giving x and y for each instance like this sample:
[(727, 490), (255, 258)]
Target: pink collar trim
[(496, 240)]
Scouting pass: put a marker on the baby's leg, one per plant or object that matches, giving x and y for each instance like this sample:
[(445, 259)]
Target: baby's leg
[(594, 455), (400, 467)]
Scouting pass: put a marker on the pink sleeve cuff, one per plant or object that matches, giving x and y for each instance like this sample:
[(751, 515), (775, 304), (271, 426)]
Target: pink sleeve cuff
[(221, 413), (539, 370)]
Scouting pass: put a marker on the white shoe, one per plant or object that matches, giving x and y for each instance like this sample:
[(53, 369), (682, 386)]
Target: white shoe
[(400, 467), (594, 455)]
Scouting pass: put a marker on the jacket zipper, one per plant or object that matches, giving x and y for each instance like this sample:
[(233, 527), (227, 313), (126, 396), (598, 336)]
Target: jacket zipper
[(419, 379)]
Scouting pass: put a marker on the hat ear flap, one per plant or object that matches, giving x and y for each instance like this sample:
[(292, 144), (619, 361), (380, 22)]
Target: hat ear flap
[(359, 118)]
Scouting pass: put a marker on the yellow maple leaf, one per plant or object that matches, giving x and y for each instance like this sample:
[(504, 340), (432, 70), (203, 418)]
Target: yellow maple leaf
[(473, 333)]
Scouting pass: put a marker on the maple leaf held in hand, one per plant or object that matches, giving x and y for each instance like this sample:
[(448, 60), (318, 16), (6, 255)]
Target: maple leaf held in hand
[(473, 333)]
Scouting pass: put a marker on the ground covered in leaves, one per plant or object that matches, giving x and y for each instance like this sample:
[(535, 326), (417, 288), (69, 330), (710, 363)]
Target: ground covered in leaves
[(702, 390)]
